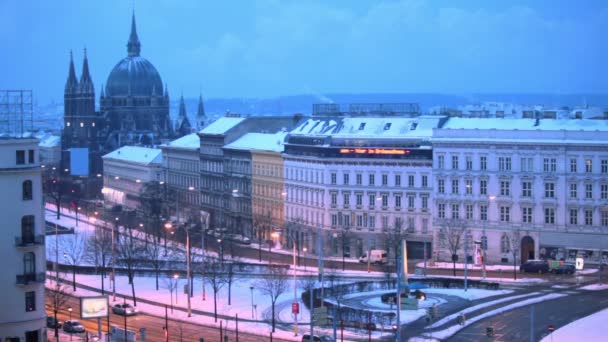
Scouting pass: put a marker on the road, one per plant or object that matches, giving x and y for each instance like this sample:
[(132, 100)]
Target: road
[(514, 325), (178, 331)]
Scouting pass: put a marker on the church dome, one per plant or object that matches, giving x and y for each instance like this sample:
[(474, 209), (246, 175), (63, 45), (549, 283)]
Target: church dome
[(136, 76)]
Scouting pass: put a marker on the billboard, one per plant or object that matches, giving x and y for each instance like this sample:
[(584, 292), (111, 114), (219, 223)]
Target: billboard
[(94, 307), (79, 161)]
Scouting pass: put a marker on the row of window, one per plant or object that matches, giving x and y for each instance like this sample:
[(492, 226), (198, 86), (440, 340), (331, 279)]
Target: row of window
[(366, 220), (382, 200), (526, 212), (20, 157), (526, 188), (384, 180), (526, 164)]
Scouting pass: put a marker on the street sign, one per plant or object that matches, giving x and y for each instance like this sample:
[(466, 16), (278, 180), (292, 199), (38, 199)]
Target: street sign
[(295, 308)]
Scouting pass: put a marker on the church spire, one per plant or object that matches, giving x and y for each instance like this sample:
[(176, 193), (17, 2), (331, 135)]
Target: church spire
[(72, 82), (86, 83), (133, 46), (200, 113), (182, 108)]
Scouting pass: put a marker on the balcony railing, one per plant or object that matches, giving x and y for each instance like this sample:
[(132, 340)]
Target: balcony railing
[(30, 278), (21, 241)]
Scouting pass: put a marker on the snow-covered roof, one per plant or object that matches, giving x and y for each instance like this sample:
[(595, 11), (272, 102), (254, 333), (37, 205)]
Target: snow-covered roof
[(370, 127), (222, 125), (136, 154), (260, 141), (190, 141), (50, 141), (526, 124)]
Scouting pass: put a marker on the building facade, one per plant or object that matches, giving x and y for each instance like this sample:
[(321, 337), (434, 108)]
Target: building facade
[(22, 250), (538, 188), (362, 179)]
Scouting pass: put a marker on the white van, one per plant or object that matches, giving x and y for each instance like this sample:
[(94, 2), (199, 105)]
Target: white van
[(376, 256)]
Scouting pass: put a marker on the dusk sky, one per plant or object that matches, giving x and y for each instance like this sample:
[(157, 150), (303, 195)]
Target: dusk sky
[(273, 48)]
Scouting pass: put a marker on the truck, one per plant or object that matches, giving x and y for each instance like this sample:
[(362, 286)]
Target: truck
[(376, 256)]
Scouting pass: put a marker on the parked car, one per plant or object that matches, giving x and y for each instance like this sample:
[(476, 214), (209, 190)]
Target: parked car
[(315, 338), (53, 323), (238, 238), (376, 256), (124, 309), (73, 326), (564, 269), (535, 266)]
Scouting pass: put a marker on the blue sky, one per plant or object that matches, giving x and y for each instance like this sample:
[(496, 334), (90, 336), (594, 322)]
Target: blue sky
[(271, 48)]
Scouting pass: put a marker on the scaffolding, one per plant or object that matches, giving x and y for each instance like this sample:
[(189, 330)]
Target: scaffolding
[(16, 112)]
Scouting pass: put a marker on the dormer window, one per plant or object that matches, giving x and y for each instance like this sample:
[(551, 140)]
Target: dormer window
[(361, 126), (387, 126)]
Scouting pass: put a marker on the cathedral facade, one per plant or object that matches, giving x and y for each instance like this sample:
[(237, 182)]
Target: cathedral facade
[(133, 110)]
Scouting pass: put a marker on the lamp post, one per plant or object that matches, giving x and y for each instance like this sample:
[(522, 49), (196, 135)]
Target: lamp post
[(484, 240), (275, 236), (219, 241), (113, 278), (176, 277), (251, 288), (70, 311), (304, 249), (295, 292), (168, 225)]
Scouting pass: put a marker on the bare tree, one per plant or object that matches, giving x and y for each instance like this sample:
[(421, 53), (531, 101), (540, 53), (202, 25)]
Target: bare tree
[(451, 233), (308, 284), (393, 238), (337, 291), (73, 249), (229, 277), (275, 283), (262, 223), (156, 258), (170, 283), (514, 241), (98, 251), (214, 276), (56, 298), (129, 253)]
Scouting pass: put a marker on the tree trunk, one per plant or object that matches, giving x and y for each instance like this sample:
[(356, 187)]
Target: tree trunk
[(102, 283), (454, 266), (230, 292), (132, 288), (215, 305), (57, 203), (156, 273), (73, 276), (56, 325), (272, 316)]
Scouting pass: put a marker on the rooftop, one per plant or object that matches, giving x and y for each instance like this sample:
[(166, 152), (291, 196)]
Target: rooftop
[(190, 141), (136, 154), (526, 124), (273, 142), (222, 125)]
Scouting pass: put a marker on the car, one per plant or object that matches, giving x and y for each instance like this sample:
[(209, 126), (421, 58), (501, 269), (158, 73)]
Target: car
[(315, 338), (124, 309), (564, 269), (238, 238), (73, 326), (535, 266), (52, 323)]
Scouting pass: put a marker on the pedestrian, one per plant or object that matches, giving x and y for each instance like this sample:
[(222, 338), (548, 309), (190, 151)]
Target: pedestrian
[(461, 318)]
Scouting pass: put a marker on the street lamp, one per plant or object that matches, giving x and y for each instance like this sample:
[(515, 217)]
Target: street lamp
[(274, 236), (219, 241), (70, 311), (484, 240), (176, 277), (169, 226), (251, 288), (305, 250)]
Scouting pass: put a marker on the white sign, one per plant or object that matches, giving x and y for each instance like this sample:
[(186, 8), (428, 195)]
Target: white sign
[(580, 263), (93, 307)]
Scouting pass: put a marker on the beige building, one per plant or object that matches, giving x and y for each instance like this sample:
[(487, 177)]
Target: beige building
[(22, 248)]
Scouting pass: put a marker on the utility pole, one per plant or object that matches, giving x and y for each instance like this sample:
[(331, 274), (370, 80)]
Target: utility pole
[(532, 339), (295, 293), (466, 260)]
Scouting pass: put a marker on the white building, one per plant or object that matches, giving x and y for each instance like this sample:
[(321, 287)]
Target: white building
[(545, 180), (22, 248), (126, 170), (181, 161), (365, 181)]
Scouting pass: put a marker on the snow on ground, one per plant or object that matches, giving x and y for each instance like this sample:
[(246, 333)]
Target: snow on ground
[(460, 266), (479, 307), (584, 329), (448, 332), (470, 294), (595, 287)]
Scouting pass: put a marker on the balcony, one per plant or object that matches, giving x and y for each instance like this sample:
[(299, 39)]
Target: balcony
[(30, 278), (37, 240)]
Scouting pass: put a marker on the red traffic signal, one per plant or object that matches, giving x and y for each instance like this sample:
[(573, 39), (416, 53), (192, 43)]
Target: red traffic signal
[(551, 327), (73, 204), (295, 308)]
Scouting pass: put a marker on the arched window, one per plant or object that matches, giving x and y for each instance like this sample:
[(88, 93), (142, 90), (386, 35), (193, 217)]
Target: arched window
[(505, 245), (27, 229), (27, 190), (29, 263)]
